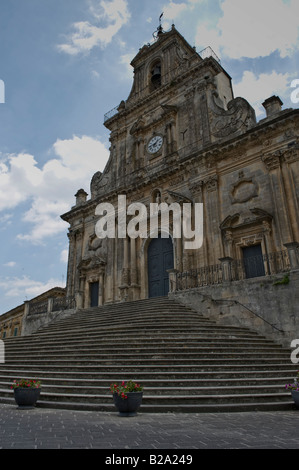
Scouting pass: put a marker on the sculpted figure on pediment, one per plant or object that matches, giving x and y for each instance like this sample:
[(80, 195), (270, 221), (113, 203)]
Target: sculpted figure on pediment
[(96, 253)]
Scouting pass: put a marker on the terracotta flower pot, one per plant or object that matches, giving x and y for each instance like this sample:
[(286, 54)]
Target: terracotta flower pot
[(128, 406)]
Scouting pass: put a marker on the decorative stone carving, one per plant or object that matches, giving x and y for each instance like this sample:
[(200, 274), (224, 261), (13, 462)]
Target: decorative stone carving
[(272, 160), (243, 190), (291, 155), (197, 189), (239, 116), (211, 183), (98, 183), (96, 255)]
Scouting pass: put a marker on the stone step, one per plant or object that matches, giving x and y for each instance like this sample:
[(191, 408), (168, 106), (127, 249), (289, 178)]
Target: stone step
[(159, 384), (191, 389), (281, 405), (185, 361), (156, 361), (180, 398), (140, 376), (101, 341), (144, 332), (106, 352), (128, 370)]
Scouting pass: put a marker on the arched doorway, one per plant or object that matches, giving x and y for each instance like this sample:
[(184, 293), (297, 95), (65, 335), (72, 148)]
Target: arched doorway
[(160, 259)]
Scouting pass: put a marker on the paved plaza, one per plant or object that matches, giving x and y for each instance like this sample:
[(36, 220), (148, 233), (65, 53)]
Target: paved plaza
[(42, 428)]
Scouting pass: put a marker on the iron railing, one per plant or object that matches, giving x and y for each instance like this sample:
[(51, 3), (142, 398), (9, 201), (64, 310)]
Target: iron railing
[(63, 303), (57, 304), (255, 266), (263, 265), (36, 308), (206, 276)]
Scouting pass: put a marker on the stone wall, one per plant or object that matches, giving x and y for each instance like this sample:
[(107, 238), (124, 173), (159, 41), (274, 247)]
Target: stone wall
[(31, 323), (268, 305)]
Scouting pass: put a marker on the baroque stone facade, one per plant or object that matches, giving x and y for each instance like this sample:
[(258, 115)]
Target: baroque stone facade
[(182, 136)]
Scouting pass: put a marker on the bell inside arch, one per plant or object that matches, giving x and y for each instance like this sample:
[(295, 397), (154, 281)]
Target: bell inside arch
[(156, 76)]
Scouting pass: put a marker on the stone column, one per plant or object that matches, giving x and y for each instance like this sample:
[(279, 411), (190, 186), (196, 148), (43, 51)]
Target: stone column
[(173, 136), (133, 262), (25, 315), (172, 279), (213, 237), (179, 254), (135, 287), (71, 265), (50, 304), (290, 158), (126, 270), (272, 163), (125, 275), (101, 289), (196, 189)]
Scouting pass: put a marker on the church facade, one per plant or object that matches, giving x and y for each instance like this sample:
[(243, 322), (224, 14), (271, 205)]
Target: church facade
[(182, 137)]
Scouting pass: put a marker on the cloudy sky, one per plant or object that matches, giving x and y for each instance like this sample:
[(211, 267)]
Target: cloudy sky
[(64, 64)]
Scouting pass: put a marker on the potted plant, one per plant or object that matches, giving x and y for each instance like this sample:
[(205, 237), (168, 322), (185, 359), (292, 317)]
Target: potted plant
[(294, 388), (127, 397), (26, 392)]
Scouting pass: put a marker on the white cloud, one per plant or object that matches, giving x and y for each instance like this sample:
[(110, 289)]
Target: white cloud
[(5, 221), (255, 89), (253, 29), (172, 10), (64, 256), (50, 189), (26, 287), (10, 264), (109, 17), (126, 59)]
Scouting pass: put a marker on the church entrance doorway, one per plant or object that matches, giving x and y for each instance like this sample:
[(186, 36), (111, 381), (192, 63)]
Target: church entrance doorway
[(94, 294), (160, 259)]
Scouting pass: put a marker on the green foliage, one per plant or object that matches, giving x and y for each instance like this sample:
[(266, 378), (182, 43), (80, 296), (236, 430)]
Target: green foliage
[(283, 281)]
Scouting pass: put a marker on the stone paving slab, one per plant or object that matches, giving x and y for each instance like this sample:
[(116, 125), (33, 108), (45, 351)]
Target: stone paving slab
[(41, 428)]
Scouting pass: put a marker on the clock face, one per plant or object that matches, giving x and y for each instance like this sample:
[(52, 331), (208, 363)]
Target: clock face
[(155, 144)]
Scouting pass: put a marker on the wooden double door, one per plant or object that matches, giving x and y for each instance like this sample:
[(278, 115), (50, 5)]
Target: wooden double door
[(160, 259)]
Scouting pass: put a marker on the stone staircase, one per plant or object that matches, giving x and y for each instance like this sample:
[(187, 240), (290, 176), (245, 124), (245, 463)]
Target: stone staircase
[(185, 362)]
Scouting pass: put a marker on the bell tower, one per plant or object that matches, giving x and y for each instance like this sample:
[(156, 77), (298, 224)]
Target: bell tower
[(180, 106)]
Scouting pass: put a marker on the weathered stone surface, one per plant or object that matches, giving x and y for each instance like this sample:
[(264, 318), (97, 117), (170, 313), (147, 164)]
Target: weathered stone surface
[(212, 151)]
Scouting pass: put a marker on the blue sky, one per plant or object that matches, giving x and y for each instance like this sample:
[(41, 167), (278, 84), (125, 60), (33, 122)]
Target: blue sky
[(65, 64)]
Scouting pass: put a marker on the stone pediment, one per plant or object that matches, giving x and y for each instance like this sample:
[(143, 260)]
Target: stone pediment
[(176, 197), (249, 217), (153, 118)]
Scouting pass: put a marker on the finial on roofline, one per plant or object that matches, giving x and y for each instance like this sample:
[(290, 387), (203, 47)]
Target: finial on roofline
[(159, 30)]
